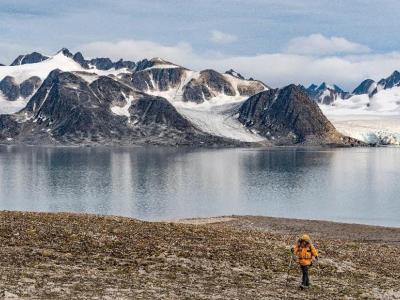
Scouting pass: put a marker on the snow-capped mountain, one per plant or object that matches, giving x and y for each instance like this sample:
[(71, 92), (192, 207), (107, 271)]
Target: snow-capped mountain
[(20, 81), (389, 82), (326, 94), (31, 58), (371, 113), (366, 87), (66, 98)]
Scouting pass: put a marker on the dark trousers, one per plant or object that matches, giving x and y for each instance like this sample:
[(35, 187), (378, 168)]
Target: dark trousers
[(305, 280)]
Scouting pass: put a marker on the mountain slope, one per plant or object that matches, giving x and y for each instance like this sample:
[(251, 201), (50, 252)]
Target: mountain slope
[(31, 58), (20, 81), (68, 109), (326, 94), (365, 87), (371, 113), (67, 99), (288, 116)]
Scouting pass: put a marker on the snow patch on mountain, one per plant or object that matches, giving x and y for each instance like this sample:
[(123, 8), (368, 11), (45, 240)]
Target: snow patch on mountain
[(123, 110), (163, 66), (43, 68), (217, 119), (213, 116), (373, 119), (374, 129), (10, 107)]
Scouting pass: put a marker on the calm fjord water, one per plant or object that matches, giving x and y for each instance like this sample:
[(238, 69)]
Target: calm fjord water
[(346, 185)]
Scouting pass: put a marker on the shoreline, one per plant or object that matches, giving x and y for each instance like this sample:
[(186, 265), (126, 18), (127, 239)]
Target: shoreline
[(227, 218), (70, 255)]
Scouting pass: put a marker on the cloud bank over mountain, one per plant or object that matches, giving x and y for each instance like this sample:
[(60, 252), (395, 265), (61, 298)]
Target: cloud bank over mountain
[(317, 44), (303, 60)]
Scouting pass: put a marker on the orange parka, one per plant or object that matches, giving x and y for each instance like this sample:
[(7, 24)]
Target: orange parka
[(305, 253)]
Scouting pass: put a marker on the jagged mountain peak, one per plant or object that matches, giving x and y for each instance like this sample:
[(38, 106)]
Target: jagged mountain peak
[(31, 58), (367, 86), (65, 52), (326, 93), (388, 82), (159, 60), (288, 115), (312, 87), (323, 86), (154, 62), (234, 74)]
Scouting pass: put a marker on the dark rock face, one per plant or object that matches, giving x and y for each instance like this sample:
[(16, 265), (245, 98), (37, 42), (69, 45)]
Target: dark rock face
[(66, 52), (9, 88), (9, 127), (234, 73), (206, 86), (144, 64), (13, 90), (34, 57), (216, 82), (391, 81), (250, 88), (78, 57), (157, 79), (110, 91), (287, 116), (106, 64), (68, 107), (211, 83), (364, 87), (102, 63), (149, 110), (140, 81), (167, 78), (130, 65), (195, 92), (29, 86)]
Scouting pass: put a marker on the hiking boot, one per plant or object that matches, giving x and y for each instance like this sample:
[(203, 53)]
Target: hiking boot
[(303, 287)]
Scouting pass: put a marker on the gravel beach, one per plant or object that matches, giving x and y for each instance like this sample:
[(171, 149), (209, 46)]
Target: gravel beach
[(77, 256)]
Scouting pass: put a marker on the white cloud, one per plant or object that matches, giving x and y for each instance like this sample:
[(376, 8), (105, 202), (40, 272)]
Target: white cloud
[(220, 37), (137, 49), (275, 69), (8, 52), (317, 44)]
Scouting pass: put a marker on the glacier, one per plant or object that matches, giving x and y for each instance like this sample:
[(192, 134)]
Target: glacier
[(373, 119)]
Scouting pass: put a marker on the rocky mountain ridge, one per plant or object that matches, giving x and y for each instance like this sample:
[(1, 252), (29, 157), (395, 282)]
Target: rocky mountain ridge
[(328, 94), (98, 101)]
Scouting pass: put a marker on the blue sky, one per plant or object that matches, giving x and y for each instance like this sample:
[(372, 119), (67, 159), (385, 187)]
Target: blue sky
[(271, 39)]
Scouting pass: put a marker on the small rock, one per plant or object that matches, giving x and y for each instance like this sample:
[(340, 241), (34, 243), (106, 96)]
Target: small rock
[(8, 295)]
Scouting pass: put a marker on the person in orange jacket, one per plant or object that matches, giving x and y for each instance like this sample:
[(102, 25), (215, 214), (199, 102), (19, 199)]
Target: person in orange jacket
[(305, 252)]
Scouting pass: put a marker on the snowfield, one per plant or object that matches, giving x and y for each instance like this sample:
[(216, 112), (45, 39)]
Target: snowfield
[(219, 120), (375, 129), (373, 119), (215, 116), (43, 68), (40, 69), (10, 107)]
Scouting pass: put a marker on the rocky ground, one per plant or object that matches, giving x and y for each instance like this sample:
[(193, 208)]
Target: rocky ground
[(70, 256)]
